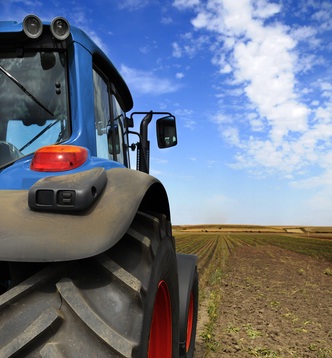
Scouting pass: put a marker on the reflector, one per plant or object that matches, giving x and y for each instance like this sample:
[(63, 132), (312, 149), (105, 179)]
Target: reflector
[(57, 158), (32, 26)]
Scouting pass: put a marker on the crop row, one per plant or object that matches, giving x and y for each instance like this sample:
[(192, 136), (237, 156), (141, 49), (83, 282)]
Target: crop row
[(213, 251), (317, 247)]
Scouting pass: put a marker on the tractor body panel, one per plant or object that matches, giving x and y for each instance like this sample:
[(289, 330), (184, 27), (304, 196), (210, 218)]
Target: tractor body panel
[(41, 236)]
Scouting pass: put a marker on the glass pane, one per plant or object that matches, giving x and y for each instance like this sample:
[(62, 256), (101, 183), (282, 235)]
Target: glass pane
[(119, 116), (33, 102), (102, 115)]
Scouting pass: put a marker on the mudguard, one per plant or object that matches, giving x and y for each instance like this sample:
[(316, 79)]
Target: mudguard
[(43, 236), (186, 270)]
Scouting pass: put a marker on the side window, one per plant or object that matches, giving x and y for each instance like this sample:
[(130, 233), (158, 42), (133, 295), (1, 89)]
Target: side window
[(102, 115), (118, 116), (109, 119)]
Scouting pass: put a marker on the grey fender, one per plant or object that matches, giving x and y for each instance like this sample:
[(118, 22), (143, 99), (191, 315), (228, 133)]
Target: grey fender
[(187, 275), (36, 236)]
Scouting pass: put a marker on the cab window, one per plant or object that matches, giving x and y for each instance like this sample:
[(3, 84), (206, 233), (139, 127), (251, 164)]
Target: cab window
[(109, 119), (102, 114), (119, 145), (33, 102)]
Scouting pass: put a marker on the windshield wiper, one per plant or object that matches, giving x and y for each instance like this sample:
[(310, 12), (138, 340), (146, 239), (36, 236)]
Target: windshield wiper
[(12, 78), (39, 134)]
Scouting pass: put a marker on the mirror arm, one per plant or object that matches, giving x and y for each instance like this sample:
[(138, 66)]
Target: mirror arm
[(143, 150), (143, 146)]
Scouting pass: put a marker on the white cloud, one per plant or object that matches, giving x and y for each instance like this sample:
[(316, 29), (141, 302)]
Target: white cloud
[(183, 112), (323, 15), (132, 4), (150, 46), (265, 10), (184, 116), (189, 123), (182, 4), (304, 33), (179, 75), (147, 82), (190, 45), (231, 135), (97, 39), (257, 54), (159, 160), (166, 20), (177, 52), (221, 118), (25, 2)]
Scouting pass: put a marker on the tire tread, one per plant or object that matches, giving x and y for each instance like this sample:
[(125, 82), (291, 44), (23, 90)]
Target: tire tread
[(71, 294), (89, 307)]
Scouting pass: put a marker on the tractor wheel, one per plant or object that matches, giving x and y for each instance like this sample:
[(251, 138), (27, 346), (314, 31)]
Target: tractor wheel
[(192, 319), (122, 303)]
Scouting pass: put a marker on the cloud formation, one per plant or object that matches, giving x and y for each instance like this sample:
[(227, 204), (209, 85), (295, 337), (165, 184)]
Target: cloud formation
[(147, 82), (266, 69)]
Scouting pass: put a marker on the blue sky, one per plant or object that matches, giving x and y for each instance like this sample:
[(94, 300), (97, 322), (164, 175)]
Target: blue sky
[(249, 82)]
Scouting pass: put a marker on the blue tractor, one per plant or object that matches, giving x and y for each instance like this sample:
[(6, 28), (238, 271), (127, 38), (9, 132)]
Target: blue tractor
[(88, 266)]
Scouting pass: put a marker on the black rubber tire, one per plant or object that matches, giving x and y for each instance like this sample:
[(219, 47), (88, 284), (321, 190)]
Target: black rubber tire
[(97, 307), (189, 353)]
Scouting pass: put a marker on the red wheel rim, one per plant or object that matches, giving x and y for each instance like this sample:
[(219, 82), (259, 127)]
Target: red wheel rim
[(190, 321), (160, 344)]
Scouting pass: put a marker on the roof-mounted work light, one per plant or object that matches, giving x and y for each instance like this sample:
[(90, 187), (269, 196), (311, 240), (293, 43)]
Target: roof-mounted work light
[(32, 26), (60, 28)]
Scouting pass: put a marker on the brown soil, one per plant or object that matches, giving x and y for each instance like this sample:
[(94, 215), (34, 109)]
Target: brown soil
[(276, 303)]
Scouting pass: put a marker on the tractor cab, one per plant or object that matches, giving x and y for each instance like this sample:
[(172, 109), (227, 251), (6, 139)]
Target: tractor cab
[(58, 88)]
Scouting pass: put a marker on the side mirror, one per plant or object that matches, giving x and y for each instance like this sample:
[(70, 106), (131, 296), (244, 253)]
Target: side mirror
[(166, 132)]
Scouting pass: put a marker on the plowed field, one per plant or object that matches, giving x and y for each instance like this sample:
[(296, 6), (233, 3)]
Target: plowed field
[(262, 294)]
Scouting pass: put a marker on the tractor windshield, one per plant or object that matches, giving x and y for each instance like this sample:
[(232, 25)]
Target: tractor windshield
[(33, 103)]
